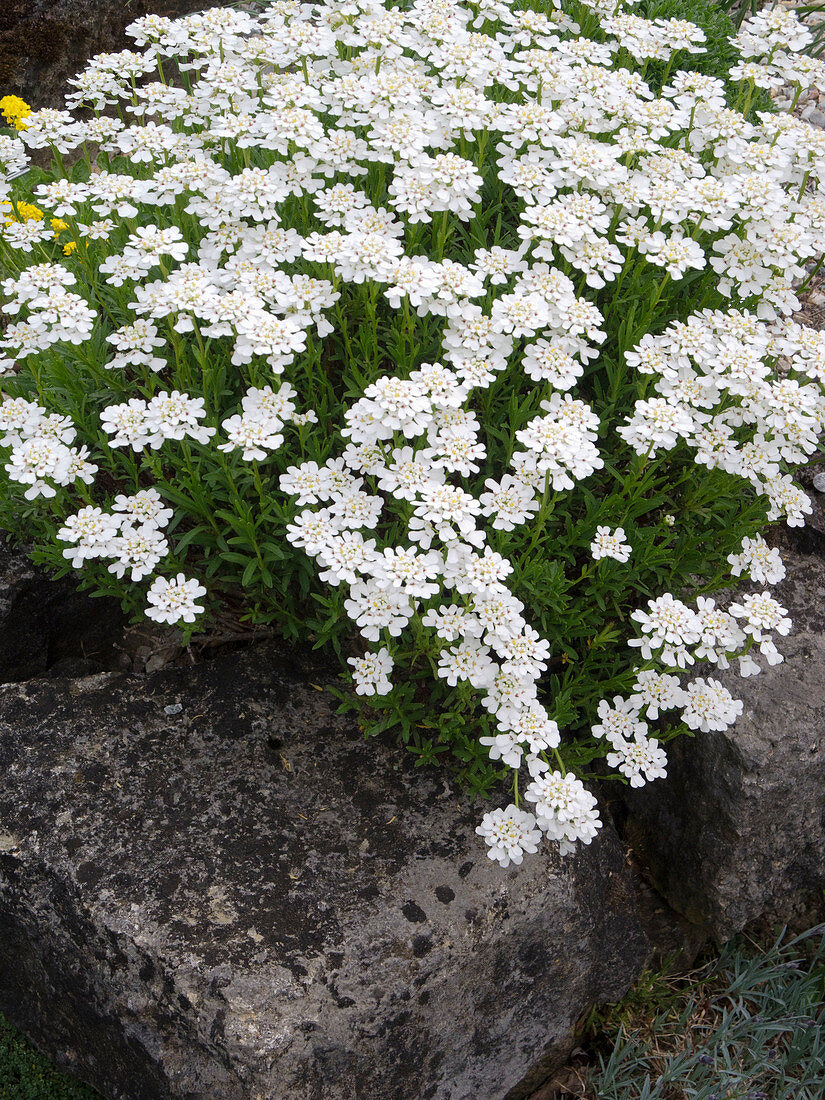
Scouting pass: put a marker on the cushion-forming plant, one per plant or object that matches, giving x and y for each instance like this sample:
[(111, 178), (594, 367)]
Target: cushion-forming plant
[(463, 329)]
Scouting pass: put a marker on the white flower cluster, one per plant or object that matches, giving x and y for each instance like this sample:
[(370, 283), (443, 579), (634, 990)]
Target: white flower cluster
[(132, 534), (138, 424), (54, 314), (678, 636), (610, 544), (720, 394), (41, 457), (603, 175)]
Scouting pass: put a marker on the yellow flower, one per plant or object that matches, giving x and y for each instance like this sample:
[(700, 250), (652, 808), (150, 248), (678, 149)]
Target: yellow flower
[(58, 225), (15, 109), (69, 248), (22, 211)]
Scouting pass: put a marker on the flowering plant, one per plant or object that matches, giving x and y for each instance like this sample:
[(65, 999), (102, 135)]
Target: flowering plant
[(459, 328)]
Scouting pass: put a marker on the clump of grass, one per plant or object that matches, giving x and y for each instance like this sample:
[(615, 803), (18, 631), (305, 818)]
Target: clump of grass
[(745, 1025), (26, 1074)]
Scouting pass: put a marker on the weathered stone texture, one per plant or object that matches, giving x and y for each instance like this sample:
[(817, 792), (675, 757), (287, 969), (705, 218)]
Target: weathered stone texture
[(211, 886), (44, 42), (737, 830)]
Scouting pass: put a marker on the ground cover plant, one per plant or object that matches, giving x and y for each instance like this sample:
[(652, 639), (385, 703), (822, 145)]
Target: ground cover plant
[(461, 332), (26, 1074), (744, 1025)]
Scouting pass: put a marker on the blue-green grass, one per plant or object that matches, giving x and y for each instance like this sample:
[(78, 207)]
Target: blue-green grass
[(748, 1024)]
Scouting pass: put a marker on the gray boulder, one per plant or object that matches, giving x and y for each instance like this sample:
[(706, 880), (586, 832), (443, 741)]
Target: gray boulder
[(210, 886), (737, 830)]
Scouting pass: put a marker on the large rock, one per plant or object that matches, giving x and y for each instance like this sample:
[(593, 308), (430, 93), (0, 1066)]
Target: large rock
[(210, 886), (49, 625), (737, 830), (44, 42)]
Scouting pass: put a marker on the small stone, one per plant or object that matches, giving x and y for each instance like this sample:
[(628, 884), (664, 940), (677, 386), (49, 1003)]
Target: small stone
[(159, 660), (173, 708), (819, 482), (815, 116)]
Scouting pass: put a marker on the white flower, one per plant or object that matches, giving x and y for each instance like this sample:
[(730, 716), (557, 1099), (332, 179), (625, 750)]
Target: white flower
[(174, 600), (709, 706), (509, 833), (505, 747), (255, 437), (137, 550), (763, 614), (136, 344), (511, 501), (763, 564), (449, 509), (610, 544), (720, 634), (452, 621), (641, 760), (473, 386), (375, 609), (469, 660), (619, 722), (126, 424), (37, 463), (655, 692), (175, 415), (669, 625), (545, 362), (524, 654), (657, 424), (370, 673), (408, 569), (675, 253), (508, 692), (145, 506), (345, 556), (92, 531), (565, 811)]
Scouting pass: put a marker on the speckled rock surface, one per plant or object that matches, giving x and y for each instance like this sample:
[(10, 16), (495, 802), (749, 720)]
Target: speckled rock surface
[(210, 886), (738, 828), (44, 42)]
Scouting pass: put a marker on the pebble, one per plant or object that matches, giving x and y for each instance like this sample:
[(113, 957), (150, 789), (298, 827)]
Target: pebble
[(815, 116), (819, 482), (176, 708)]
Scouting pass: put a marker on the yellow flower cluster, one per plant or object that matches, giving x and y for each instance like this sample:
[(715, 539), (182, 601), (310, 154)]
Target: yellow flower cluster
[(14, 110), (21, 211), (59, 226)]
